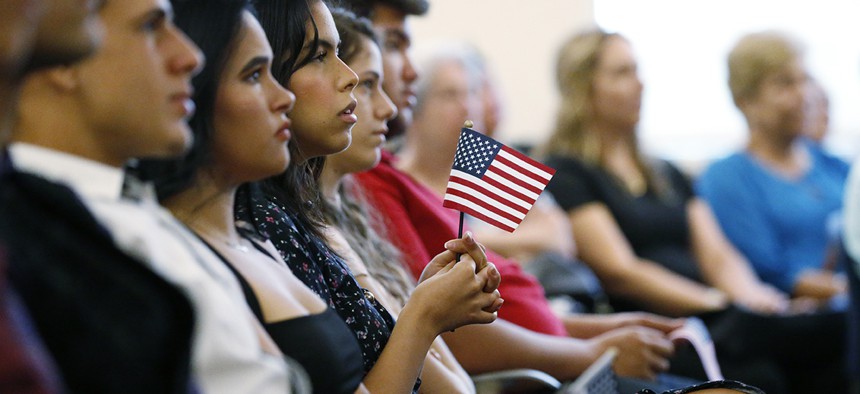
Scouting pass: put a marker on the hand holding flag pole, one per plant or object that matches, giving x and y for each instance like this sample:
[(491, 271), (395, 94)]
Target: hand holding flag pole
[(493, 182)]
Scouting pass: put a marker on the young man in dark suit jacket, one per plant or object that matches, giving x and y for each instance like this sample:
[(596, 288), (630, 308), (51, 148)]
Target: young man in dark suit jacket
[(54, 30), (77, 126), (108, 323)]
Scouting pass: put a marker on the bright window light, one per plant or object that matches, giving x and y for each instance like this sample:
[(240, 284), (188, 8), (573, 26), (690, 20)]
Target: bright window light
[(682, 45)]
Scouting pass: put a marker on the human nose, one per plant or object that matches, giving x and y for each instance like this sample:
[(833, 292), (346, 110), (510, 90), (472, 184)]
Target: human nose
[(384, 108), (410, 74), (283, 100), (187, 58), (347, 78)]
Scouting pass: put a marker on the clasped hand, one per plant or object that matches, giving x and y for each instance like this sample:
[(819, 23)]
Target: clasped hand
[(456, 293)]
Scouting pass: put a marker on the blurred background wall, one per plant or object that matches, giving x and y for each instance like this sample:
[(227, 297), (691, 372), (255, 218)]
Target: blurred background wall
[(682, 45)]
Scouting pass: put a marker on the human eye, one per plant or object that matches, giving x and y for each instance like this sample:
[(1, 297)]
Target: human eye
[(392, 44), (254, 76), (368, 84), (154, 22), (320, 56)]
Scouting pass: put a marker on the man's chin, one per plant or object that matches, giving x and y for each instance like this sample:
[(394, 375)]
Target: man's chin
[(177, 144)]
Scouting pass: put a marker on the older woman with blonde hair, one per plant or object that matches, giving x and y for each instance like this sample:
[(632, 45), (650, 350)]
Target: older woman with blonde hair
[(778, 200)]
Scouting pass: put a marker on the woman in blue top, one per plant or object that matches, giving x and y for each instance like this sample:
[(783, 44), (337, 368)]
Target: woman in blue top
[(778, 201)]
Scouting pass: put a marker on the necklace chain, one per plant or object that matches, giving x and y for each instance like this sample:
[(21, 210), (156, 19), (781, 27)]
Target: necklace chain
[(236, 245)]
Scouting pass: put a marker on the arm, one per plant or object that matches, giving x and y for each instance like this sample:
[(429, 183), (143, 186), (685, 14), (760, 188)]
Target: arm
[(503, 346), (451, 298), (586, 326), (442, 373), (724, 268), (820, 284), (623, 274)]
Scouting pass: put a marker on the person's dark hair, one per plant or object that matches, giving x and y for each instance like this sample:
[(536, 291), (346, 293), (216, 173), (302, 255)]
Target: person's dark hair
[(352, 29), (364, 8), (285, 23), (215, 27)]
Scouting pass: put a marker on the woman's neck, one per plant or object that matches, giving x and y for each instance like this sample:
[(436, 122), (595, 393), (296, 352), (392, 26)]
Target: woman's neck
[(207, 208), (330, 180), (616, 145), (784, 155), (619, 156)]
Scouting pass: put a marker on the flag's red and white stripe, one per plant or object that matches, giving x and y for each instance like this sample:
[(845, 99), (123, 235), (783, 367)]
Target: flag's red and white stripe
[(506, 192)]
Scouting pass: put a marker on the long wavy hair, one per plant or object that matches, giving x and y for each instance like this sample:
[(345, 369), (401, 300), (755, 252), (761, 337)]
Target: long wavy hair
[(577, 64)]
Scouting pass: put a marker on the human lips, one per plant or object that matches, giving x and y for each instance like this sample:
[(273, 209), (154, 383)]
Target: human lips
[(183, 102), (348, 113), (283, 132), (378, 136), (409, 98)]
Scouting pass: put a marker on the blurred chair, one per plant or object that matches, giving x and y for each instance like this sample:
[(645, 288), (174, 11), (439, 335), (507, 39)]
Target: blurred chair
[(515, 381), (599, 378)]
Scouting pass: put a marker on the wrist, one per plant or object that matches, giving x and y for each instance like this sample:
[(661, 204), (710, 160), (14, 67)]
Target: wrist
[(419, 322), (716, 299)]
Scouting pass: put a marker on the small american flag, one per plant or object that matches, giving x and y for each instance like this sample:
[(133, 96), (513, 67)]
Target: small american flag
[(493, 182)]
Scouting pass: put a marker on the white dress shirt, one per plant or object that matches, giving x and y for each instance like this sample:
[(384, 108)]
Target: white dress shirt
[(227, 356)]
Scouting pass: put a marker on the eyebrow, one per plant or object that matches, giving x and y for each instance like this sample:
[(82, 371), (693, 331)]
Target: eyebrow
[(255, 62), (155, 15), (323, 43), (327, 44), (370, 74)]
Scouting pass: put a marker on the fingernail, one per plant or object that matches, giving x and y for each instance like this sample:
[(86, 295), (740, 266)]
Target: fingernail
[(494, 272), (448, 244), (469, 237)]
